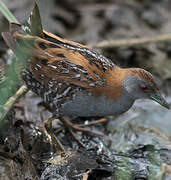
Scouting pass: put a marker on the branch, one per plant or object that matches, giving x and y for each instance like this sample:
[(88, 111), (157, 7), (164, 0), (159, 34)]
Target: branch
[(12, 100), (132, 42)]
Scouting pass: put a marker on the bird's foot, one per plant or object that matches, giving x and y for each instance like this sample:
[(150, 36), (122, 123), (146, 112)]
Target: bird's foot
[(47, 127), (74, 127), (71, 127)]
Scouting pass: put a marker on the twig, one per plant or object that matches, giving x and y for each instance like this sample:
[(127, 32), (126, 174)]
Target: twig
[(12, 100), (132, 42)]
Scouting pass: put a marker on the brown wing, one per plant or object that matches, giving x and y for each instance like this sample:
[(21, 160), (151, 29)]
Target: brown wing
[(58, 63), (58, 60)]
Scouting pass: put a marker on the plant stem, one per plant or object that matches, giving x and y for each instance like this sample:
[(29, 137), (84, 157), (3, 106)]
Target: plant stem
[(9, 95), (8, 15)]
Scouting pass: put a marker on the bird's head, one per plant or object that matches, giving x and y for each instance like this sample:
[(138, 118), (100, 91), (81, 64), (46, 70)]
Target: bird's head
[(140, 84)]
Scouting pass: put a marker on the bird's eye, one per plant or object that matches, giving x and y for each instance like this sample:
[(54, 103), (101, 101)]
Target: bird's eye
[(144, 88)]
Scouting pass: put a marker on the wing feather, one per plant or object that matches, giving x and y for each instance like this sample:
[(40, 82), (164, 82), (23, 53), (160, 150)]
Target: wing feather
[(58, 66)]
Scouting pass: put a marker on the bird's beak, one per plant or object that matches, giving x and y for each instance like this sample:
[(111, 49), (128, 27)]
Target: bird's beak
[(159, 99)]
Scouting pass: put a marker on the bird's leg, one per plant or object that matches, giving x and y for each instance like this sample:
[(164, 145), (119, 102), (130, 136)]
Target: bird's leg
[(76, 137), (50, 134), (67, 123), (70, 125), (103, 120)]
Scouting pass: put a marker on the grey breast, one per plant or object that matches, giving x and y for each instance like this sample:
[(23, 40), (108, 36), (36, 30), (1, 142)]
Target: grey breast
[(84, 104)]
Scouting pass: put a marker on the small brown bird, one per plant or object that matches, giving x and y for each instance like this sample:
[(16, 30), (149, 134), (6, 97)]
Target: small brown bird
[(76, 81)]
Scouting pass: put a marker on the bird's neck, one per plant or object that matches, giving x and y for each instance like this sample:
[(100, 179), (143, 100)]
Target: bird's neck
[(113, 88), (114, 83)]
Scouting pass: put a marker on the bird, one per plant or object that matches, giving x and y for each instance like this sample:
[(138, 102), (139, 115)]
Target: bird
[(76, 81)]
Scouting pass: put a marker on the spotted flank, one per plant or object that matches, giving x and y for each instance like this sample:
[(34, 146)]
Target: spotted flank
[(53, 94)]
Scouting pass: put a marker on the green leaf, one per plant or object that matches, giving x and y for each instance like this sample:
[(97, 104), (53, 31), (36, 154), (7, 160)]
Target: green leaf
[(8, 15), (34, 24)]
